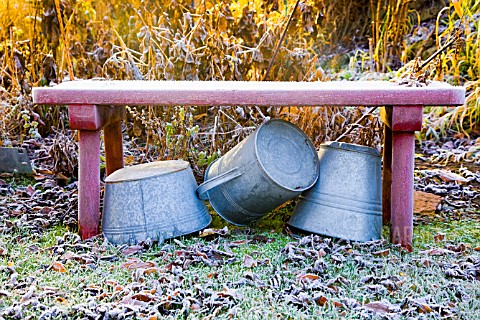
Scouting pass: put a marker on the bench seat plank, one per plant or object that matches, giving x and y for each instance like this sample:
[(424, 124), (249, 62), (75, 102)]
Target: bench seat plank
[(247, 93)]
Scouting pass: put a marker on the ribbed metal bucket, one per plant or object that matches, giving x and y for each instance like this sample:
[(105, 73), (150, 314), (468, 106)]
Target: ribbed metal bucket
[(155, 200), (271, 166), (346, 201)]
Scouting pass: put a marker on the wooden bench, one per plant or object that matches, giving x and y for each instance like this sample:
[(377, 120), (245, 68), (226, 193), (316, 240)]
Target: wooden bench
[(95, 105)]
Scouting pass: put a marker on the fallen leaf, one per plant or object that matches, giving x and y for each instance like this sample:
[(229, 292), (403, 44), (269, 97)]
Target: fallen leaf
[(183, 253), (61, 300), (300, 299), (144, 296), (436, 252), (228, 293), (390, 285), (3, 251), (368, 279), (103, 296), (33, 248), (195, 307), (29, 294), (134, 302), (426, 262), (381, 253), (46, 210), (337, 280), (449, 176), (455, 272), (45, 171), (131, 250), (321, 300), (321, 253), (461, 247), (198, 254), (212, 232), (423, 308), (69, 255), (476, 249), (150, 270), (380, 307), (249, 262), (135, 263), (439, 237), (93, 289), (39, 177), (237, 243), (307, 277), (337, 258), (376, 288), (129, 159), (59, 267), (30, 191), (258, 238), (83, 259), (111, 283)]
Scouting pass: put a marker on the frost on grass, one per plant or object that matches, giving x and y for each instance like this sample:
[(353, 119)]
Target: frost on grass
[(225, 275)]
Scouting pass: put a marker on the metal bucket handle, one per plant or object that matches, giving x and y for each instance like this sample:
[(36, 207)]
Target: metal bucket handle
[(217, 181)]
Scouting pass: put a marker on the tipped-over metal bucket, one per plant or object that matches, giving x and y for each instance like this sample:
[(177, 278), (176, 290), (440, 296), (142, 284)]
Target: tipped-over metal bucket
[(155, 200), (346, 201), (271, 166)]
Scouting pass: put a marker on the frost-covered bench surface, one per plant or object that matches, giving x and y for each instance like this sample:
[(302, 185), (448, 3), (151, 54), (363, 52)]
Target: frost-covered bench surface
[(97, 104)]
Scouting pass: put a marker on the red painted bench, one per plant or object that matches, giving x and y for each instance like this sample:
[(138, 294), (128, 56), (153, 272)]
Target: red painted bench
[(95, 105)]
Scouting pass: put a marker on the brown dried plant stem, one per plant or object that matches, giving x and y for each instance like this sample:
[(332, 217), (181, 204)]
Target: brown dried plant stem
[(354, 125), (33, 40), (280, 41), (10, 62), (65, 41), (436, 53)]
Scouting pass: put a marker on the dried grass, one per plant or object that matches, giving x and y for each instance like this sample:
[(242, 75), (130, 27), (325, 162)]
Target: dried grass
[(207, 40), (459, 65)]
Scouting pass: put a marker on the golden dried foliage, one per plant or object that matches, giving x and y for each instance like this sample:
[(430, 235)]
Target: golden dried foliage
[(214, 40), (460, 64)]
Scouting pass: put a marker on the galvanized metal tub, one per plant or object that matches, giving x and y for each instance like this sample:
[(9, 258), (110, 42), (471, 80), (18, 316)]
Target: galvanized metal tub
[(271, 166), (346, 201), (155, 200), (14, 160)]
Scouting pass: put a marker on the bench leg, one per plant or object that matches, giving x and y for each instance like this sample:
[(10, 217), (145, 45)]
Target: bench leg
[(89, 183), (387, 174), (402, 189), (112, 135)]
